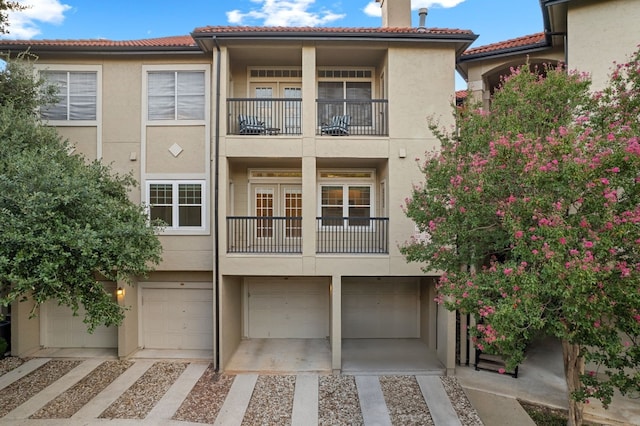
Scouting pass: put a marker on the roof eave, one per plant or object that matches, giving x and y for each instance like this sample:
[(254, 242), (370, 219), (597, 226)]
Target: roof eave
[(101, 50), (501, 53)]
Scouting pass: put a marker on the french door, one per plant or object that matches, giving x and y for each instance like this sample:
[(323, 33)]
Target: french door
[(278, 212), (279, 106)]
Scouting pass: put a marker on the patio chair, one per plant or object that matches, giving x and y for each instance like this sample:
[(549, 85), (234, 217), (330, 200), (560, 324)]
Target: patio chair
[(250, 125), (338, 126)]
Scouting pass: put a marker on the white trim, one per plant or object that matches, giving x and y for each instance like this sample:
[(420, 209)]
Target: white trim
[(175, 229), (97, 123)]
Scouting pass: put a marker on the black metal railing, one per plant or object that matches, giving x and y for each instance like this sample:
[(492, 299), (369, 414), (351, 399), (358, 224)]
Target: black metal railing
[(264, 234), (279, 116), (367, 117), (359, 235)]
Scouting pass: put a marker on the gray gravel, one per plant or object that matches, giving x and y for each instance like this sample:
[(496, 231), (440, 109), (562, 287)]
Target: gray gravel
[(338, 401), (66, 404), (141, 397), (405, 401), (466, 412), (271, 402), (9, 363), (203, 403), (23, 389)]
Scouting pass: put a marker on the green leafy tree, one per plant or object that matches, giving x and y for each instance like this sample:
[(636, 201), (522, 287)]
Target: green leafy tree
[(533, 213), (66, 225)]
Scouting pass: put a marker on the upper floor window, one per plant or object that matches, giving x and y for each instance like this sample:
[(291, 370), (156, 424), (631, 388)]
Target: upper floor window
[(345, 92), (179, 204), (176, 95), (77, 95)]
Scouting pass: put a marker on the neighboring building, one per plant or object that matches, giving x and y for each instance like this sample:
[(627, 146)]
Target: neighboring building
[(285, 219), (586, 35)]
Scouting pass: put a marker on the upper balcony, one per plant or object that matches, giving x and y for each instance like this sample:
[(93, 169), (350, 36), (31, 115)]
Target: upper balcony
[(283, 116)]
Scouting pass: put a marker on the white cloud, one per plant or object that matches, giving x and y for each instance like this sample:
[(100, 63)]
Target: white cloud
[(284, 13), (373, 8), (25, 24)]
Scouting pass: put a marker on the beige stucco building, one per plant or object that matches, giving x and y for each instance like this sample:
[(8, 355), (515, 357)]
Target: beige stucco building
[(280, 159)]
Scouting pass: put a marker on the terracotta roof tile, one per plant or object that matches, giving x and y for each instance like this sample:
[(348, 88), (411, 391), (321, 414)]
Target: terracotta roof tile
[(461, 94), (329, 30), (176, 41), (525, 41)]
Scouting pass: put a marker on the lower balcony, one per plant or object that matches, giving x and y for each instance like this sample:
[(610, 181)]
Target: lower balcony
[(283, 235)]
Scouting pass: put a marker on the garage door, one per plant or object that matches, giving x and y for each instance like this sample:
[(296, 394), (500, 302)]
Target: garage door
[(177, 318), (293, 308), (63, 330), (387, 308)]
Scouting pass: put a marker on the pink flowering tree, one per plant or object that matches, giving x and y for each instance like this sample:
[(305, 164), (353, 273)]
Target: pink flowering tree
[(533, 211)]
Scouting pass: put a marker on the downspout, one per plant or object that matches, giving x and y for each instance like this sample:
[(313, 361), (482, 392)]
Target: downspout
[(216, 196)]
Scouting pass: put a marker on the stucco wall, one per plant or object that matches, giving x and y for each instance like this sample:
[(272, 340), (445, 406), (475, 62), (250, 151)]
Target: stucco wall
[(601, 33)]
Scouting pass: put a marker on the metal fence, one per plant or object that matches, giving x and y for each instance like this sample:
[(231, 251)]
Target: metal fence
[(360, 235), (367, 117), (280, 116), (264, 234)]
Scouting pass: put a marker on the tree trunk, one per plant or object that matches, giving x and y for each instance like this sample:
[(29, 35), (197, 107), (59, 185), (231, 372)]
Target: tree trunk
[(573, 368)]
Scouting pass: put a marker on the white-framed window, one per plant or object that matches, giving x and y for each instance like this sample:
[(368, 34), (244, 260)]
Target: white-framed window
[(176, 95), (346, 197), (180, 204), (346, 92), (77, 95)]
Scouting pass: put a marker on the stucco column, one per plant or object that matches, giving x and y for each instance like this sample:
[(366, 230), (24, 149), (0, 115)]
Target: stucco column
[(25, 331), (128, 330), (447, 339), (336, 323)]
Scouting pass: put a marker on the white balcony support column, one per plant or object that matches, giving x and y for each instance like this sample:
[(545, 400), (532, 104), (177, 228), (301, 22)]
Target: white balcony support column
[(309, 214), (336, 323), (308, 97)]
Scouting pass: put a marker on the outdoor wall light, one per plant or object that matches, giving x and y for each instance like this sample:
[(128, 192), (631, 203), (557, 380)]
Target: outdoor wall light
[(120, 291)]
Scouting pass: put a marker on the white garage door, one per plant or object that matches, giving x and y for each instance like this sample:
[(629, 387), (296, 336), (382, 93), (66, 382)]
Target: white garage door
[(177, 318), (387, 308), (293, 308), (63, 330)]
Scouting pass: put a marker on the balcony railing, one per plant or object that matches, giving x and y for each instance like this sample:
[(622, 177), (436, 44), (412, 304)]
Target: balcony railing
[(367, 117), (281, 116), (360, 235), (283, 235), (264, 234)]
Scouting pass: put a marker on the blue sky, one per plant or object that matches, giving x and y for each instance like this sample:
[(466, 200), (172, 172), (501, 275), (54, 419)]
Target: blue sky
[(492, 20)]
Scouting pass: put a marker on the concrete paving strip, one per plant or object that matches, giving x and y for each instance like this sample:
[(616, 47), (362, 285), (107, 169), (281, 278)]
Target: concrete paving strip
[(171, 401), (305, 401), (374, 408), (107, 422), (21, 371), (510, 412), (237, 400), (100, 402), (438, 401), (50, 392)]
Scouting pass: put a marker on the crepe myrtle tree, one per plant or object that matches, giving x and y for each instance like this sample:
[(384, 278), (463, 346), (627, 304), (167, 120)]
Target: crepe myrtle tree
[(66, 224), (532, 210)]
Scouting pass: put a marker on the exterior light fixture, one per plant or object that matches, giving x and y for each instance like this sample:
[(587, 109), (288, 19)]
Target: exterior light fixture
[(120, 291)]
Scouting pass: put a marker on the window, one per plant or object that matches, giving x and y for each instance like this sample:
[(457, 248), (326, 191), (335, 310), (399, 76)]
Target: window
[(76, 98), (351, 98), (352, 202), (180, 205), (176, 95)]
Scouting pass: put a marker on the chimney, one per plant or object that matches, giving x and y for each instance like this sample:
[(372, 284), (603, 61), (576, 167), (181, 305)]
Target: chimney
[(395, 13), (422, 13)]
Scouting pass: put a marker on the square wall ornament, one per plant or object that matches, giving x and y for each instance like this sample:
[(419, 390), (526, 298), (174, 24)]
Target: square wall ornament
[(175, 149)]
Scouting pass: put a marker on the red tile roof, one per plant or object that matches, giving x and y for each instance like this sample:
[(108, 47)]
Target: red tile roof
[(177, 41), (520, 42), (329, 30), (461, 94)]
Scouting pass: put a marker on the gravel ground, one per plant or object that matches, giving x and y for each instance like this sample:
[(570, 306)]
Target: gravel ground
[(404, 400), (23, 389), (461, 404), (9, 363), (140, 398), (203, 403), (271, 402), (66, 404), (339, 403)]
